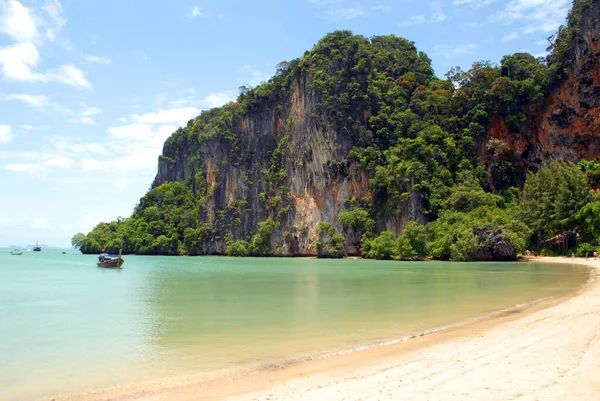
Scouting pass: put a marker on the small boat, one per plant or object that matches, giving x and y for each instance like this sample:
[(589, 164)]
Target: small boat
[(15, 252), (110, 261), (37, 247)]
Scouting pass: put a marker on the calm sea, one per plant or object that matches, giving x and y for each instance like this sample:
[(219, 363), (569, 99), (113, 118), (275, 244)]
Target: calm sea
[(68, 326)]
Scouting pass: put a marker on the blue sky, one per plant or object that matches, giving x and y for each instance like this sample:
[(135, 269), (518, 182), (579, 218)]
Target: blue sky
[(89, 90)]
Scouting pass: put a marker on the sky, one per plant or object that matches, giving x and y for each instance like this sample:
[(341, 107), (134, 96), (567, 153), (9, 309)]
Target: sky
[(90, 90)]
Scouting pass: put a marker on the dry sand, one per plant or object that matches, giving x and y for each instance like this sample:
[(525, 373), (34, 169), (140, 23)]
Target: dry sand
[(547, 352)]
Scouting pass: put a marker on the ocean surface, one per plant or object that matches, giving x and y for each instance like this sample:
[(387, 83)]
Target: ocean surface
[(67, 326)]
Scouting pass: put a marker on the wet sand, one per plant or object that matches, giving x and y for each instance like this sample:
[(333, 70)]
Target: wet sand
[(548, 351)]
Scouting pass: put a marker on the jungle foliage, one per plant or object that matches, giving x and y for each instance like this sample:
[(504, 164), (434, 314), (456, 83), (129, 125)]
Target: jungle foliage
[(413, 133)]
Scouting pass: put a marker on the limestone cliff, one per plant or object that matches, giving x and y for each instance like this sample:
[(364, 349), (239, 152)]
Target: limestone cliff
[(565, 125), (283, 158)]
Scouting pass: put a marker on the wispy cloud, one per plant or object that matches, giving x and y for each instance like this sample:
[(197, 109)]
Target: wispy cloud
[(91, 111), (324, 2), (414, 20), (256, 76), (83, 120), (217, 99), (534, 15), (510, 36), (449, 52), (55, 21), (474, 3), (36, 101), (170, 116), (332, 12), (439, 17), (383, 9), (97, 59), (29, 168), (194, 13), (5, 133)]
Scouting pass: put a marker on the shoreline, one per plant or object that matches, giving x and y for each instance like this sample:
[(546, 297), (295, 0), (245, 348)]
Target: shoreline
[(410, 369)]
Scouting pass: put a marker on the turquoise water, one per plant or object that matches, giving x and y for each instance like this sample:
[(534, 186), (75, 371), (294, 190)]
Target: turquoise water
[(67, 326)]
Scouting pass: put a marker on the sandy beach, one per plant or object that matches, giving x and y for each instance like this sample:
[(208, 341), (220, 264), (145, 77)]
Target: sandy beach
[(549, 351)]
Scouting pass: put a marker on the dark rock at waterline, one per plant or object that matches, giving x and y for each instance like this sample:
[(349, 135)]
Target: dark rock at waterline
[(493, 245)]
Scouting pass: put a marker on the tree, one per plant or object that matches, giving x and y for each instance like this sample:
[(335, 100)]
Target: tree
[(552, 198), (412, 244), (590, 218), (78, 240)]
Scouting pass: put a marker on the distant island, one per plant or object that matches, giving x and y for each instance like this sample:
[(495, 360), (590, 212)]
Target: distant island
[(357, 148)]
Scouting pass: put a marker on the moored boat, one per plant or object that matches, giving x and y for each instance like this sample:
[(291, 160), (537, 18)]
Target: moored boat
[(110, 261), (15, 252), (37, 247)]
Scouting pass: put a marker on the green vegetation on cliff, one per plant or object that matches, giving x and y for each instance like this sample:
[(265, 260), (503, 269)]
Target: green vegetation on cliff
[(228, 181)]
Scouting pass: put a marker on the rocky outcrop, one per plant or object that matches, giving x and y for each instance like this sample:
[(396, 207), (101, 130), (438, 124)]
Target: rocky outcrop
[(316, 176), (493, 246), (285, 162), (566, 124)]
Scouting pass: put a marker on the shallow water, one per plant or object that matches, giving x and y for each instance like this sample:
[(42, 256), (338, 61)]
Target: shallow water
[(67, 326)]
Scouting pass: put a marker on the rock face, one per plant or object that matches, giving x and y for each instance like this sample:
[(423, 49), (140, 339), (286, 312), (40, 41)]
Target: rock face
[(288, 164), (495, 247), (565, 125), (318, 176)]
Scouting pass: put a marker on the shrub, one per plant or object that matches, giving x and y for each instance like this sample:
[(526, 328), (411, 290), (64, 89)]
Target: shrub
[(585, 247), (238, 248)]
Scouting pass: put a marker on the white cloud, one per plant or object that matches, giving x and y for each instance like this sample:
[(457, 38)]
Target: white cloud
[(67, 145), (439, 17), (83, 120), (9, 221), (91, 111), (343, 14), (29, 168), (139, 145), (323, 2), (450, 51), (59, 161), (27, 127), (257, 76), (217, 99), (54, 10), (195, 12), (17, 22), (4, 133), (346, 14), (169, 116), (472, 25), (40, 223), (89, 165), (510, 36), (37, 101), (414, 20), (383, 9), (66, 74), (534, 15), (97, 59), (18, 60), (474, 3)]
